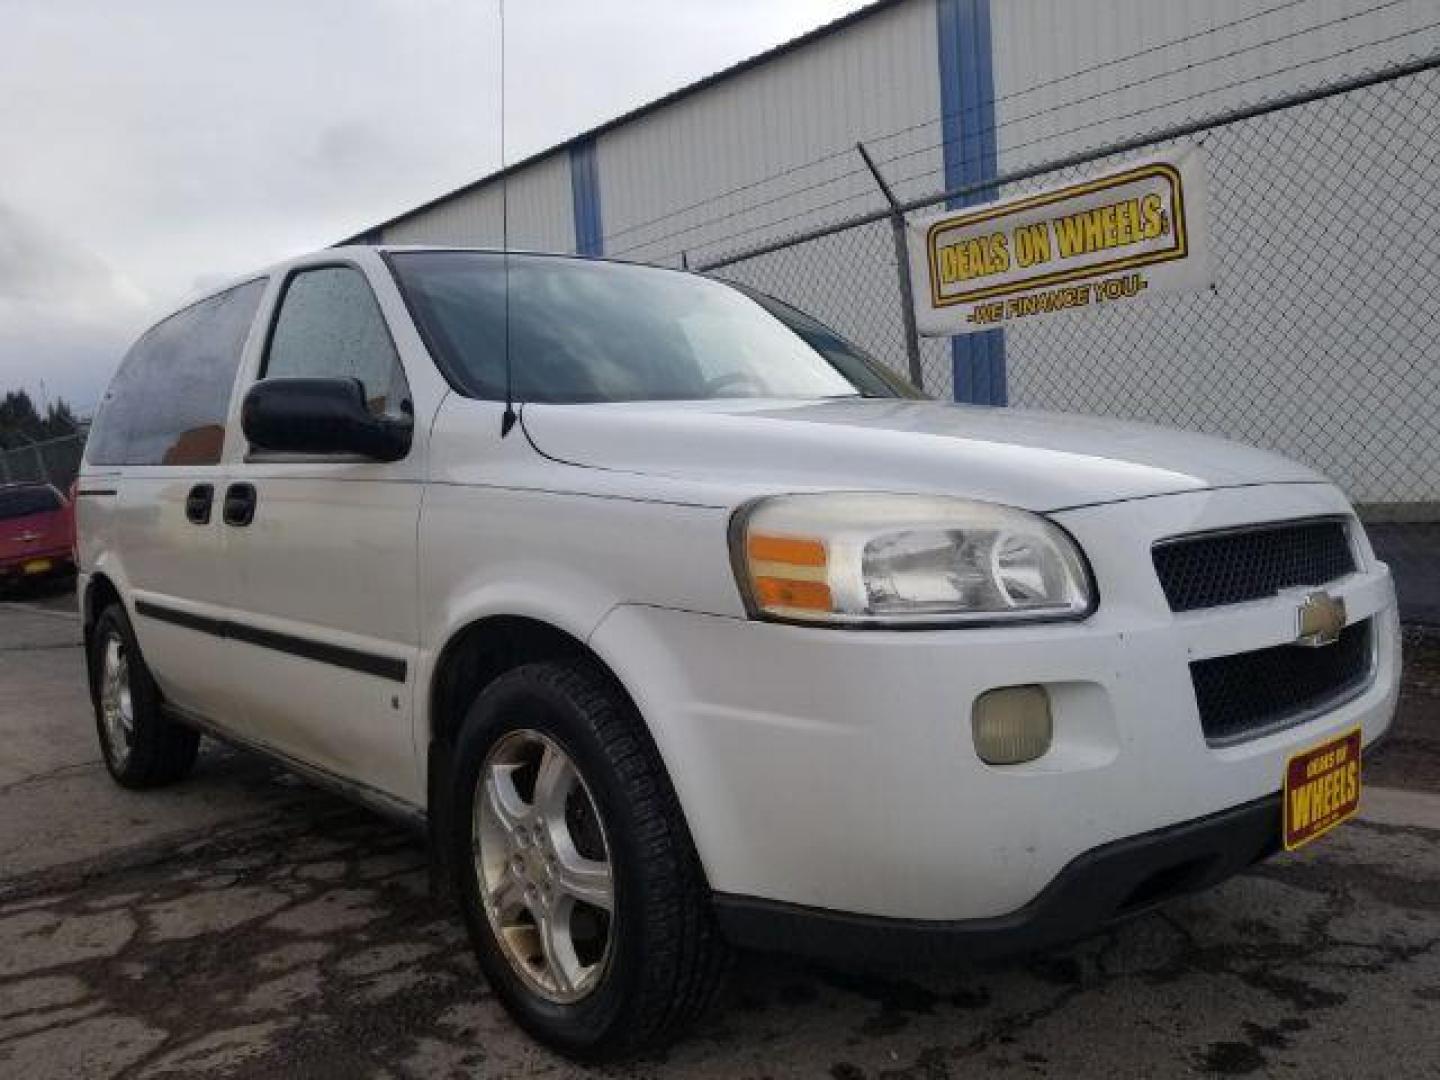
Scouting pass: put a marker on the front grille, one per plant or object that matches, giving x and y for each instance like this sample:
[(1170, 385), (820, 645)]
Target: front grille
[(1249, 694), (1210, 569)]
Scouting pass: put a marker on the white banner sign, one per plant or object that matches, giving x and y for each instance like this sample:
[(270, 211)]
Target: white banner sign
[(1110, 239)]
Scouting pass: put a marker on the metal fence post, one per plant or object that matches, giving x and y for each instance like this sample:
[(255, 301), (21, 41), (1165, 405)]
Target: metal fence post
[(902, 269)]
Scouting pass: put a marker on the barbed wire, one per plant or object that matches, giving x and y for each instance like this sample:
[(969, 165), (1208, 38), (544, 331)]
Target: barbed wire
[(1183, 69), (930, 148), (1072, 103), (1263, 76), (738, 252)]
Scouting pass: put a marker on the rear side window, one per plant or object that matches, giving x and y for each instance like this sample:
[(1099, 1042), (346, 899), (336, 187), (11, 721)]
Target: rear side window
[(22, 502), (330, 326), (168, 402)]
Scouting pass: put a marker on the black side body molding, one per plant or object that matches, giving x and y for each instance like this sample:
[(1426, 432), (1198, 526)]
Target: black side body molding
[(384, 667)]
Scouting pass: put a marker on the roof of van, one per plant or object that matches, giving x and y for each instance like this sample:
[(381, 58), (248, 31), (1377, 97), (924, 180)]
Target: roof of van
[(343, 251), (484, 250)]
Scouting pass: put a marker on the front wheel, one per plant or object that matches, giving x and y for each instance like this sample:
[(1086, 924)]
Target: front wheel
[(580, 887)]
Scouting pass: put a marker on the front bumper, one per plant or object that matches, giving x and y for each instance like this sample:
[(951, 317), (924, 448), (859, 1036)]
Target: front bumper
[(1106, 885), (834, 770)]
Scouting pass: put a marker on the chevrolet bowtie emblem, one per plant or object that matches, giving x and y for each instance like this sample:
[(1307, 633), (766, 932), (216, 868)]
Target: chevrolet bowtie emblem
[(1320, 619)]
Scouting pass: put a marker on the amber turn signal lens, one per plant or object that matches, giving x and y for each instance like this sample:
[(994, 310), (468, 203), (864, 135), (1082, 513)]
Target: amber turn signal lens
[(775, 592), (788, 573), (794, 551)]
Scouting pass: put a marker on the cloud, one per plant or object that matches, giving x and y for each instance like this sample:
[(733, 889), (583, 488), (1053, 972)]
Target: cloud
[(39, 265), (65, 314), (152, 147)]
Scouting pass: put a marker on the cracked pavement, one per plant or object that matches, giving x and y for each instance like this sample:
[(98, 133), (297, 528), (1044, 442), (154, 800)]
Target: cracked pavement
[(244, 924)]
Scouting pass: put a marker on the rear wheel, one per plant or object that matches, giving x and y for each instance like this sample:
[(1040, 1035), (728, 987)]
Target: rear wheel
[(580, 887), (141, 747)]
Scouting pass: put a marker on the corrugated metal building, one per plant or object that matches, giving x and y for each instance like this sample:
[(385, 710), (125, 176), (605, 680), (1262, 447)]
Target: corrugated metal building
[(944, 93), (750, 153)]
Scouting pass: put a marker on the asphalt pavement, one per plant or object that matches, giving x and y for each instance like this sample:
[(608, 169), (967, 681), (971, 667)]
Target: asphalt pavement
[(243, 924)]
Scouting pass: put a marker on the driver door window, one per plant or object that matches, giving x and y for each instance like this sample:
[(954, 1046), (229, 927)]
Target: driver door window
[(330, 326)]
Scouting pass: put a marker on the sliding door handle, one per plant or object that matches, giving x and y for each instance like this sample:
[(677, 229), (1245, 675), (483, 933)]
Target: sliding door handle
[(240, 502), (198, 503)]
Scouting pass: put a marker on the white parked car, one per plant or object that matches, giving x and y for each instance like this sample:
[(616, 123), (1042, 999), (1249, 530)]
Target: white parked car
[(729, 639)]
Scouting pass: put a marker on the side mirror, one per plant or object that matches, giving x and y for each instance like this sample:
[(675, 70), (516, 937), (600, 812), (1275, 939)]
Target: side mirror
[(320, 416)]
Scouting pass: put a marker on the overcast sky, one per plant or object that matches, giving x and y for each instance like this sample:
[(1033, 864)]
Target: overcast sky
[(153, 147)]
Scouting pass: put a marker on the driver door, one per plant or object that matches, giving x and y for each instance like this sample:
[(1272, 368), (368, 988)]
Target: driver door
[(322, 552)]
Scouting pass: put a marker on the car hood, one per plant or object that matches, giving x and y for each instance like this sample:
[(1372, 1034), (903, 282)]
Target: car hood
[(1035, 460)]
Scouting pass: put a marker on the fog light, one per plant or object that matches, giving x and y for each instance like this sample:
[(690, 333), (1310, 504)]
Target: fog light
[(1012, 724)]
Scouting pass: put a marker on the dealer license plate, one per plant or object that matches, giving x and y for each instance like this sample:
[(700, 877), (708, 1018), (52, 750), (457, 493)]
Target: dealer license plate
[(1322, 789), (37, 566)]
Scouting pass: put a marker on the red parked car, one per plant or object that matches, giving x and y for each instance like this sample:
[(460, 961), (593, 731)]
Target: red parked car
[(37, 533)]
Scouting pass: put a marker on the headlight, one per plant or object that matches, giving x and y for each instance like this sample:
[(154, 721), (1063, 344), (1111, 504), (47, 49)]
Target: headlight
[(900, 560)]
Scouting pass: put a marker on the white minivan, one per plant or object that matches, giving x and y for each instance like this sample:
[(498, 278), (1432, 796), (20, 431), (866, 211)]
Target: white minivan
[(720, 634)]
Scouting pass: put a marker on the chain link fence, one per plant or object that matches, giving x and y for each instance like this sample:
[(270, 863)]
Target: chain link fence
[(1318, 339), (51, 461)]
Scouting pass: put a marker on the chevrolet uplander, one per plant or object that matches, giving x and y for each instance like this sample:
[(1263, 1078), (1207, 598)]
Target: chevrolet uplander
[(680, 624)]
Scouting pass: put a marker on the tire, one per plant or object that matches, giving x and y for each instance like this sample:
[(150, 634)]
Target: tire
[(141, 748), (663, 960)]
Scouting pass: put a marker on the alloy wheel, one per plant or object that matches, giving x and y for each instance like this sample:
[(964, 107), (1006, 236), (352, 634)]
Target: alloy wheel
[(117, 707), (543, 864)]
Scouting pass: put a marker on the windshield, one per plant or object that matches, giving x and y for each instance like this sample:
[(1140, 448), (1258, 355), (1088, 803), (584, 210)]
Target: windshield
[(22, 502), (598, 331)]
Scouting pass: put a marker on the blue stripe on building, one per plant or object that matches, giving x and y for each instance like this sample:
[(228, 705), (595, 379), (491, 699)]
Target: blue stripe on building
[(585, 194), (967, 108)]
